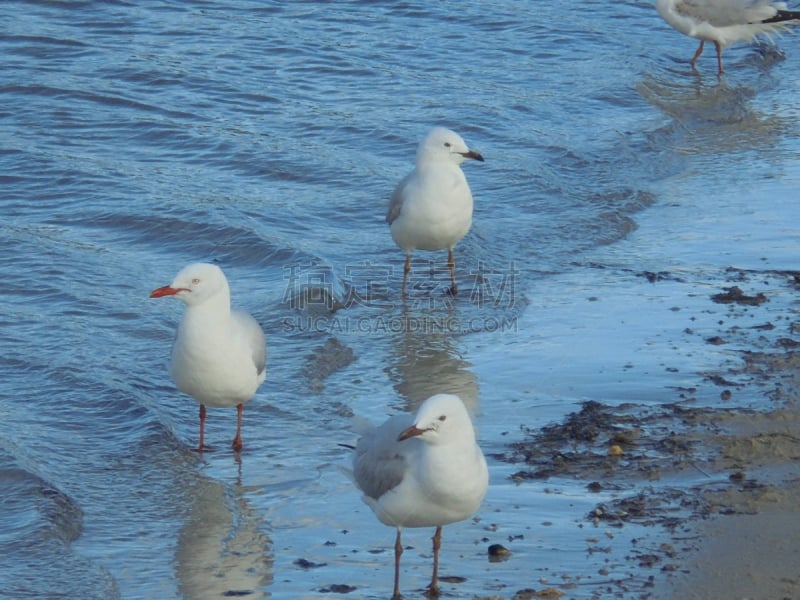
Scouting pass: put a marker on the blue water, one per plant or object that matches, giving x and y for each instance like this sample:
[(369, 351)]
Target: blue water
[(267, 137)]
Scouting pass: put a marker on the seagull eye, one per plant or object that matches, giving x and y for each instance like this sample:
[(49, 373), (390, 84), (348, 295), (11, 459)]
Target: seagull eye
[(195, 281), (447, 144), (443, 418)]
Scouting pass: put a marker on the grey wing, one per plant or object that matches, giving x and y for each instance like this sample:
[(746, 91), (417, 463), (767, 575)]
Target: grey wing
[(255, 338), (725, 13), (380, 461), (396, 201)]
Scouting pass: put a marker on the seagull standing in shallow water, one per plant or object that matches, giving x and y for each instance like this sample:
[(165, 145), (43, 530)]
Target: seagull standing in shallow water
[(219, 356), (725, 21), (431, 207), (422, 471)]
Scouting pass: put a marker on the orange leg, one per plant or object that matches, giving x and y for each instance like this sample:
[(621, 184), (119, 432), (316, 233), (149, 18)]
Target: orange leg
[(406, 271), (451, 263), (719, 57), (398, 552), (433, 588), (697, 54), (237, 441)]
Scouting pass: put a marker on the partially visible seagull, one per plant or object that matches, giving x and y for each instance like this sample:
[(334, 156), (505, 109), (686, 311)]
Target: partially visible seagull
[(422, 471), (726, 21), (219, 356), (431, 207)]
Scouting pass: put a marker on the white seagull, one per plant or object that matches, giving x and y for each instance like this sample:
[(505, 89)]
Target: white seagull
[(431, 207), (219, 356), (425, 471), (725, 21)]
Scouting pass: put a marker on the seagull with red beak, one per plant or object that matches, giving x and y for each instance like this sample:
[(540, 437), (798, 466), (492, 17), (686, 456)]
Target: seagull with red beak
[(219, 354), (422, 471)]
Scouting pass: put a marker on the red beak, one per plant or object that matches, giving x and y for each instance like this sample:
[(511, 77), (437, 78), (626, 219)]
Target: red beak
[(165, 291), (412, 431)]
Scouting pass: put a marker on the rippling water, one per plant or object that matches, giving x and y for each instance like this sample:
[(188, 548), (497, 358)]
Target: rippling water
[(267, 136)]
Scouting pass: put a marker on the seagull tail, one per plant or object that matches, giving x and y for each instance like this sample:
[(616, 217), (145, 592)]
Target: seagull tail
[(784, 15), (360, 425)]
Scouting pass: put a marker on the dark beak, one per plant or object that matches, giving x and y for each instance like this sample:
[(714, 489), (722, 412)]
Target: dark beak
[(473, 155)]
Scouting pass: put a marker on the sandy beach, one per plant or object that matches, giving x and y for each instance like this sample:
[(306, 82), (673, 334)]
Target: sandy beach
[(749, 546), (716, 488), (638, 413)]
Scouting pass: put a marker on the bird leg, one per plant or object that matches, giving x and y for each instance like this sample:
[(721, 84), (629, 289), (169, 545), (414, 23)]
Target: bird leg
[(698, 53), (398, 552), (202, 426), (719, 57), (451, 263), (433, 588), (406, 271), (237, 441)]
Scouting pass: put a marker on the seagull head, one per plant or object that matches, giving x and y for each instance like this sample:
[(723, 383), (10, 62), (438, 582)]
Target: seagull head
[(441, 419), (194, 284), (442, 144)]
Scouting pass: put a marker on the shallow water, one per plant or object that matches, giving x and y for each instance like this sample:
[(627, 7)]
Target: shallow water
[(267, 137)]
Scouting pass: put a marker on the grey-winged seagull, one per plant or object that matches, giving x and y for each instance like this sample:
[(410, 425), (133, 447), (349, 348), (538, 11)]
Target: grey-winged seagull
[(431, 207), (724, 22), (422, 471), (219, 355)]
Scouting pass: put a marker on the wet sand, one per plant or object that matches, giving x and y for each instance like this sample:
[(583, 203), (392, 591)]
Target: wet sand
[(714, 485), (750, 545)]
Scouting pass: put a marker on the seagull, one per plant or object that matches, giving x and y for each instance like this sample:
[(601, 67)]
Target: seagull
[(219, 356), (725, 21), (422, 471), (431, 207)]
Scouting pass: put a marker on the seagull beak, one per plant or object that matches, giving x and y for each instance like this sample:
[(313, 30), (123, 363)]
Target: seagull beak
[(166, 291), (412, 431), (473, 155)]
